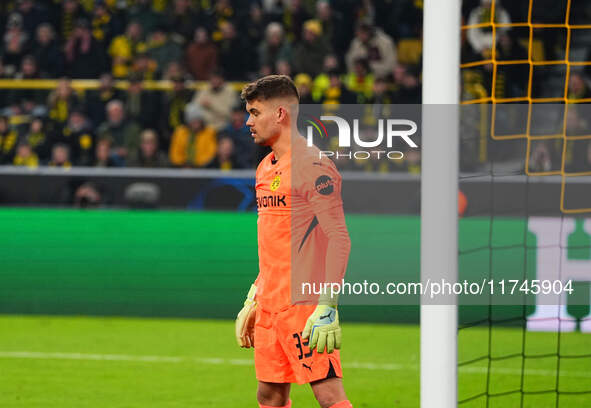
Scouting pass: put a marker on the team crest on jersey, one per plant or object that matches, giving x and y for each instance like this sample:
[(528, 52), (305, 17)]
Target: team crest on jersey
[(275, 183)]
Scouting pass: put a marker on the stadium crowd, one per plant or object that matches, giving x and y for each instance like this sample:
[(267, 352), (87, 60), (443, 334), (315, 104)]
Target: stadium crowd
[(338, 52)]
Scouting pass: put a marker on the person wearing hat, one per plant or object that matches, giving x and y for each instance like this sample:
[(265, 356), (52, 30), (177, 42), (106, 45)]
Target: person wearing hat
[(193, 144), (308, 56)]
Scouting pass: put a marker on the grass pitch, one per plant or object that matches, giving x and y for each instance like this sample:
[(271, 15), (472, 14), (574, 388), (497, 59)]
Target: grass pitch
[(122, 362)]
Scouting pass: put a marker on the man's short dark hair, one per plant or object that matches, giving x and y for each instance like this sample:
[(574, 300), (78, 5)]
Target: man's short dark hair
[(269, 87)]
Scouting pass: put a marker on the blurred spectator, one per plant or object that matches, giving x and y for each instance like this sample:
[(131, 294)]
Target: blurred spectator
[(142, 106), (292, 16), (173, 108), (85, 57), (254, 24), (234, 53), (408, 16), (142, 12), (28, 70), (337, 93), (60, 156), (407, 86), (360, 81), (25, 156), (124, 48), (125, 134), (8, 139), (578, 87), (47, 52), (216, 101), (275, 47), (283, 67), (481, 38), (174, 70), (103, 153), (193, 144), (304, 84), (201, 56), (513, 78), (16, 41), (372, 44), (308, 55), (242, 143), (321, 82), (144, 67), (541, 157), (71, 13), (183, 19), (38, 138), (148, 154), (381, 93), (61, 101), (218, 14), (104, 25), (78, 136), (32, 15), (162, 48), (224, 158), (333, 27), (89, 195), (96, 100)]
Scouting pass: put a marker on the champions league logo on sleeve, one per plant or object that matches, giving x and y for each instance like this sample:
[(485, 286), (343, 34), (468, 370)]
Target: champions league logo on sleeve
[(386, 133)]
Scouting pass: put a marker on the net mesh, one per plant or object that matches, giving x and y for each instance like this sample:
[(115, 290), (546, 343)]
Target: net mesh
[(500, 362)]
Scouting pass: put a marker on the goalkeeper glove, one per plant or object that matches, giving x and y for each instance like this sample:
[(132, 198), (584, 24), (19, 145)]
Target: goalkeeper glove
[(323, 330), (245, 320)]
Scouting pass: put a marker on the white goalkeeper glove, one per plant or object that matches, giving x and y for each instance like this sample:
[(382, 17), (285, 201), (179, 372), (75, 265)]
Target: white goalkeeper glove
[(245, 320), (323, 330)]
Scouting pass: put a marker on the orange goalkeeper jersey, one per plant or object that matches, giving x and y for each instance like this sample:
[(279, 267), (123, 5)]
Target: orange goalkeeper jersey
[(302, 236)]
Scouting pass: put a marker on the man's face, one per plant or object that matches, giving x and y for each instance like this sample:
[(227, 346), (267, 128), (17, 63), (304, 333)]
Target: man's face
[(149, 146), (44, 34), (115, 114), (262, 121)]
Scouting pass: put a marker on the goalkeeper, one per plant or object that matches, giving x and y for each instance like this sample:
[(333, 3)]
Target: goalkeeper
[(302, 236)]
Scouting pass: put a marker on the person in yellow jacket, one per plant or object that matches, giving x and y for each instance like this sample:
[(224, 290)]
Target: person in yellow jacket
[(193, 144), (25, 156), (124, 48)]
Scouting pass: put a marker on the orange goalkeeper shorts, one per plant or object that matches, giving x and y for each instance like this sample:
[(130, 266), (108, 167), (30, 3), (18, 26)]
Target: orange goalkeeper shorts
[(282, 356)]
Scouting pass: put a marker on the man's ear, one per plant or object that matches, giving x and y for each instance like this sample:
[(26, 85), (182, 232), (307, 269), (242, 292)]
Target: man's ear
[(281, 113)]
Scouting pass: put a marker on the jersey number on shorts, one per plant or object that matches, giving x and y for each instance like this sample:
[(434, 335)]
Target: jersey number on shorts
[(300, 346)]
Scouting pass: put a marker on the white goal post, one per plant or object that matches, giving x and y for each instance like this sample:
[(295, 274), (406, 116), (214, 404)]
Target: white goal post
[(439, 197)]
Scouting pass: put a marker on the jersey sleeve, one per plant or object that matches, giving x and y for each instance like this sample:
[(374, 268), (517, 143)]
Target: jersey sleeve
[(321, 188), (319, 184)]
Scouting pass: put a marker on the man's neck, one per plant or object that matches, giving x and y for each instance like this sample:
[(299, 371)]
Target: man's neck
[(284, 144), (281, 145)]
